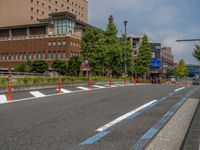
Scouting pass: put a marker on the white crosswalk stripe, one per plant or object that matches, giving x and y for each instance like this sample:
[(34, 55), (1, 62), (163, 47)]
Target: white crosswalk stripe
[(37, 94), (3, 99), (65, 91), (83, 88), (98, 86)]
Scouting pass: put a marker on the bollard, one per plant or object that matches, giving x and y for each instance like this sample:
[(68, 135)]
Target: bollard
[(59, 86), (124, 80), (90, 82), (9, 88), (110, 81)]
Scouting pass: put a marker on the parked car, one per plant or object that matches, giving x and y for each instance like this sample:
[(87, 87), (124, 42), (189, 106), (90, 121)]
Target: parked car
[(196, 81)]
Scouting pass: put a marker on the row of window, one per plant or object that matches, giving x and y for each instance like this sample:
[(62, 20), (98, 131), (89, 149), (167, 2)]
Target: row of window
[(34, 55), (74, 44), (61, 5), (59, 43)]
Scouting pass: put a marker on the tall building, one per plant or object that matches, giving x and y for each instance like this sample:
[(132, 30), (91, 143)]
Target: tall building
[(19, 12), (55, 37), (167, 57)]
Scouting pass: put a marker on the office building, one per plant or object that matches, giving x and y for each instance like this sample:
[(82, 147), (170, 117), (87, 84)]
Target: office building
[(19, 12), (56, 37)]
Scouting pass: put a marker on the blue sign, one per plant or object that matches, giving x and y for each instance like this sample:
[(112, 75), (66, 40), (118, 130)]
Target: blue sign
[(155, 63)]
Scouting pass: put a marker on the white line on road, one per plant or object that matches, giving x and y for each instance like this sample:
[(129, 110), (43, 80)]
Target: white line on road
[(65, 91), (37, 94), (3, 99), (98, 86), (108, 125), (83, 88), (179, 89)]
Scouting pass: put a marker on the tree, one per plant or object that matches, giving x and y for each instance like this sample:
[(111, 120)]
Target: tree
[(196, 52), (39, 66), (126, 47), (181, 69), (144, 57), (113, 52), (59, 66), (26, 67), (92, 45), (74, 65), (171, 72)]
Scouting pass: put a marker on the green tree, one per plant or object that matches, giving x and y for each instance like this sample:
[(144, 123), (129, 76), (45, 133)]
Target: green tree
[(144, 57), (92, 45), (20, 68), (113, 52), (126, 47), (196, 52), (39, 66), (59, 66), (26, 67), (181, 69), (74, 65), (171, 72)]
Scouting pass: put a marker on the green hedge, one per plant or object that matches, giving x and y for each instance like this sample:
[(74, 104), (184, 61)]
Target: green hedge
[(36, 81)]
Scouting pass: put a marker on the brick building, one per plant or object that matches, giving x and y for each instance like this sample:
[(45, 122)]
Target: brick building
[(18, 12), (56, 37)]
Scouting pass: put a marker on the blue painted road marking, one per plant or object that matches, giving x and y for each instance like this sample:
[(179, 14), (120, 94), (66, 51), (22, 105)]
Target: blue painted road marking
[(95, 138), (157, 127)]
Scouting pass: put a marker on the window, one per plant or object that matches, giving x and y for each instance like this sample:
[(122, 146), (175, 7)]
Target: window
[(59, 55), (64, 55), (59, 43), (20, 56), (64, 43), (153, 55), (54, 43), (24, 56), (49, 44), (29, 55), (54, 54), (43, 55), (49, 54)]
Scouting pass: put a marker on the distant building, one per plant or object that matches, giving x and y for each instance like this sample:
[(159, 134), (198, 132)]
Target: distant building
[(135, 43), (193, 70), (167, 57), (18, 12), (56, 37), (155, 64)]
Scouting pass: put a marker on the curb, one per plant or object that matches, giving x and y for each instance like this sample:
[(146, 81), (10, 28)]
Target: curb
[(172, 134)]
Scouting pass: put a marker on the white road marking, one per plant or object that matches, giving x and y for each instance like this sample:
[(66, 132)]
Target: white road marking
[(83, 88), (37, 94), (98, 86), (65, 91), (108, 125), (179, 89), (3, 99)]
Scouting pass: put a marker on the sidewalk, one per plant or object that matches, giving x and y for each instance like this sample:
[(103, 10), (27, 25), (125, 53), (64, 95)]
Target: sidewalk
[(192, 140)]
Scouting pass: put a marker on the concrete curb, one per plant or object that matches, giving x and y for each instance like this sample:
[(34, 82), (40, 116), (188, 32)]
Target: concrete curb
[(173, 133)]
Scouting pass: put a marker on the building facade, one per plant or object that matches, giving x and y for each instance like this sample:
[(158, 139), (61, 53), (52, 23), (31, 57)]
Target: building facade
[(18, 12), (193, 71), (167, 57), (56, 37)]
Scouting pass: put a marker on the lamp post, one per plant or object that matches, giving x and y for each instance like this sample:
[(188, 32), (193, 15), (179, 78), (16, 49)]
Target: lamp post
[(125, 65)]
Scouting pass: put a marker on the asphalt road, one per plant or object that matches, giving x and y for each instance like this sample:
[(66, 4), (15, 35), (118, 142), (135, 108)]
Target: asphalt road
[(70, 121)]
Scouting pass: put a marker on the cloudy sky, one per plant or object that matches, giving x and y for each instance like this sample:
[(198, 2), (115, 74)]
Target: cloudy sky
[(162, 20)]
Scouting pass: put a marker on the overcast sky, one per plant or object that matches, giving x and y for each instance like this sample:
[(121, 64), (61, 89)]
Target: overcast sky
[(162, 20)]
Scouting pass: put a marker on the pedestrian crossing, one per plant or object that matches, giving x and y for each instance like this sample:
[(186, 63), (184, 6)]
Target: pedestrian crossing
[(47, 92)]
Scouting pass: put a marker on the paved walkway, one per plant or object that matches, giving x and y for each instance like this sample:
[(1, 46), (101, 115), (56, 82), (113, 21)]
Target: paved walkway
[(192, 141)]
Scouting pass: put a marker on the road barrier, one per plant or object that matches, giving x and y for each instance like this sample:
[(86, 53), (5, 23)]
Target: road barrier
[(59, 86), (110, 81), (9, 88), (124, 80), (90, 82)]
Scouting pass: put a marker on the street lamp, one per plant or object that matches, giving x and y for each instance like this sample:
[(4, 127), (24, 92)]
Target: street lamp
[(125, 65)]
